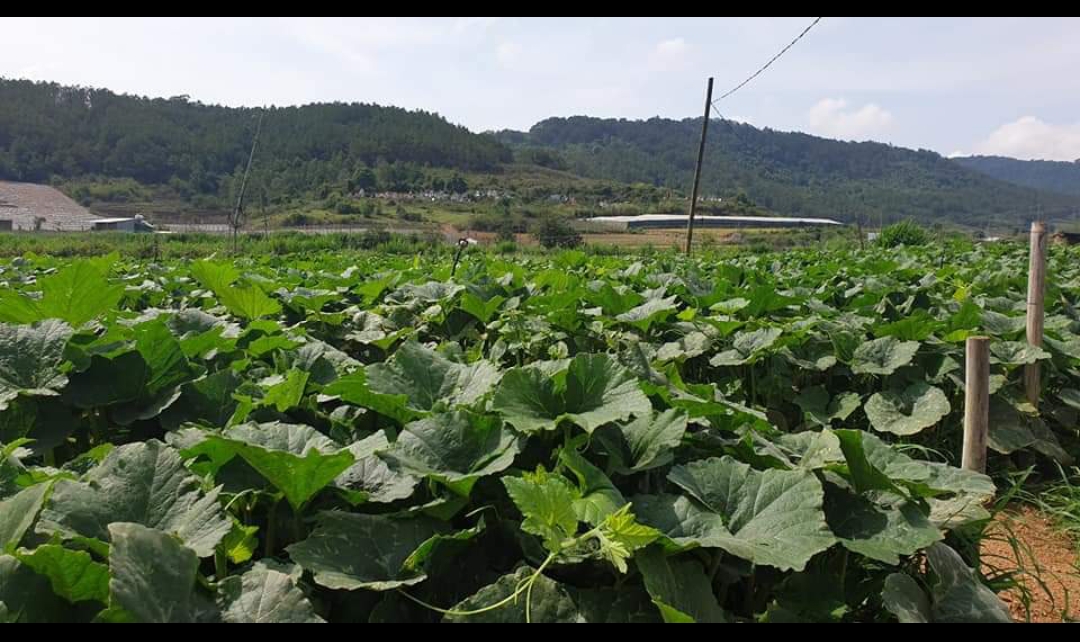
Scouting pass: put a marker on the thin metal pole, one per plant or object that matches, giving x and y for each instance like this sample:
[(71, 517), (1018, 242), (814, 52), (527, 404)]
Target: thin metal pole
[(697, 169)]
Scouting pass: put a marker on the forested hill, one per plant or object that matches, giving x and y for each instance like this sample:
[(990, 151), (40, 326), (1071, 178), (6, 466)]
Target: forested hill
[(792, 173), (193, 154), (48, 130), (1053, 176)]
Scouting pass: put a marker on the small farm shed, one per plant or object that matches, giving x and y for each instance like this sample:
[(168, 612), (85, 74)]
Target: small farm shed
[(132, 224)]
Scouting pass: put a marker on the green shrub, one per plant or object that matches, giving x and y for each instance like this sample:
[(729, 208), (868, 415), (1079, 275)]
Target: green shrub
[(903, 233), (296, 219), (555, 231), (505, 233), (506, 247)]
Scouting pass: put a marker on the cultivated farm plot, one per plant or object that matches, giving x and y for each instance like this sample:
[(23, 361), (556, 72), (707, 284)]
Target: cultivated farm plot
[(349, 437)]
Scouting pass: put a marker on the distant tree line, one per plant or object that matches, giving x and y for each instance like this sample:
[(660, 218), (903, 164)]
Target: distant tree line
[(47, 131), (788, 173)]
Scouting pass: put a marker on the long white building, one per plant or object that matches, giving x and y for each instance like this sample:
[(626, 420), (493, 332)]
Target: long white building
[(662, 221)]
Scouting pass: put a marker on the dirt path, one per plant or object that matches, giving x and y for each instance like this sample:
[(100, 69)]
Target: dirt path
[(1045, 561)]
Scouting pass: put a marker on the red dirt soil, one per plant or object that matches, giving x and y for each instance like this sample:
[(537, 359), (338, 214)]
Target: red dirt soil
[(1045, 561)]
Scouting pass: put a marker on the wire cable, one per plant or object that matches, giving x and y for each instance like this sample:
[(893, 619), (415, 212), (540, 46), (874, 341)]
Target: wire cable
[(768, 64)]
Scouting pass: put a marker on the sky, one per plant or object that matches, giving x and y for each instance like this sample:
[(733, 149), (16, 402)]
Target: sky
[(958, 86)]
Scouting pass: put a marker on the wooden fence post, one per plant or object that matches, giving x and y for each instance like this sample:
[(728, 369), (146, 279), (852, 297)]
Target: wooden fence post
[(1035, 305), (976, 404)]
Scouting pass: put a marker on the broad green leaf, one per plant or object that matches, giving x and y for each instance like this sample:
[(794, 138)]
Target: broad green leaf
[(811, 356), (323, 362), (883, 356), (821, 409), (648, 441), (370, 479), (78, 293), (266, 345), (287, 394), (27, 596), (17, 514), (455, 448), (623, 605), (692, 344), (1070, 347), (771, 518), (265, 595), (144, 381), (747, 347), (340, 551), (208, 401), (296, 459), (765, 298), (354, 389), (903, 597), (1009, 428), (429, 293), (144, 483), (999, 325), (816, 595), (858, 448), (30, 359), (482, 309), (167, 367), (959, 595), (546, 503), (648, 313), (529, 400), (730, 306), (215, 276), (599, 498), (679, 587), (550, 603), (1016, 353), (916, 327), (73, 575), (880, 533), (429, 379), (445, 545), (597, 390), (916, 408), (249, 302), (615, 302), (152, 575), (1070, 398)]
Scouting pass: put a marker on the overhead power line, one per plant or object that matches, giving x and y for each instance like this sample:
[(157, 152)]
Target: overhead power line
[(711, 104), (769, 63)]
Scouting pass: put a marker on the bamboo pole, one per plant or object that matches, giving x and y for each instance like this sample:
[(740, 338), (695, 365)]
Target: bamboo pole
[(1035, 305), (976, 404)]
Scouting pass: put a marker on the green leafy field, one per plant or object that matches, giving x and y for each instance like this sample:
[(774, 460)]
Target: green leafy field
[(355, 437)]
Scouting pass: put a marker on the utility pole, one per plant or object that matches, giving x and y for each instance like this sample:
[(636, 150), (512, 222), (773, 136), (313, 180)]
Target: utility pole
[(697, 170), (236, 221)]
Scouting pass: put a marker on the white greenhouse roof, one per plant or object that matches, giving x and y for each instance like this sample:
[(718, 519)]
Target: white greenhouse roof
[(677, 218)]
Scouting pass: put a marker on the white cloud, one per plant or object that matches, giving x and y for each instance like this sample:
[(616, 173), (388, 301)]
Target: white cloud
[(833, 118), (669, 55), (508, 54), (1030, 138)]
